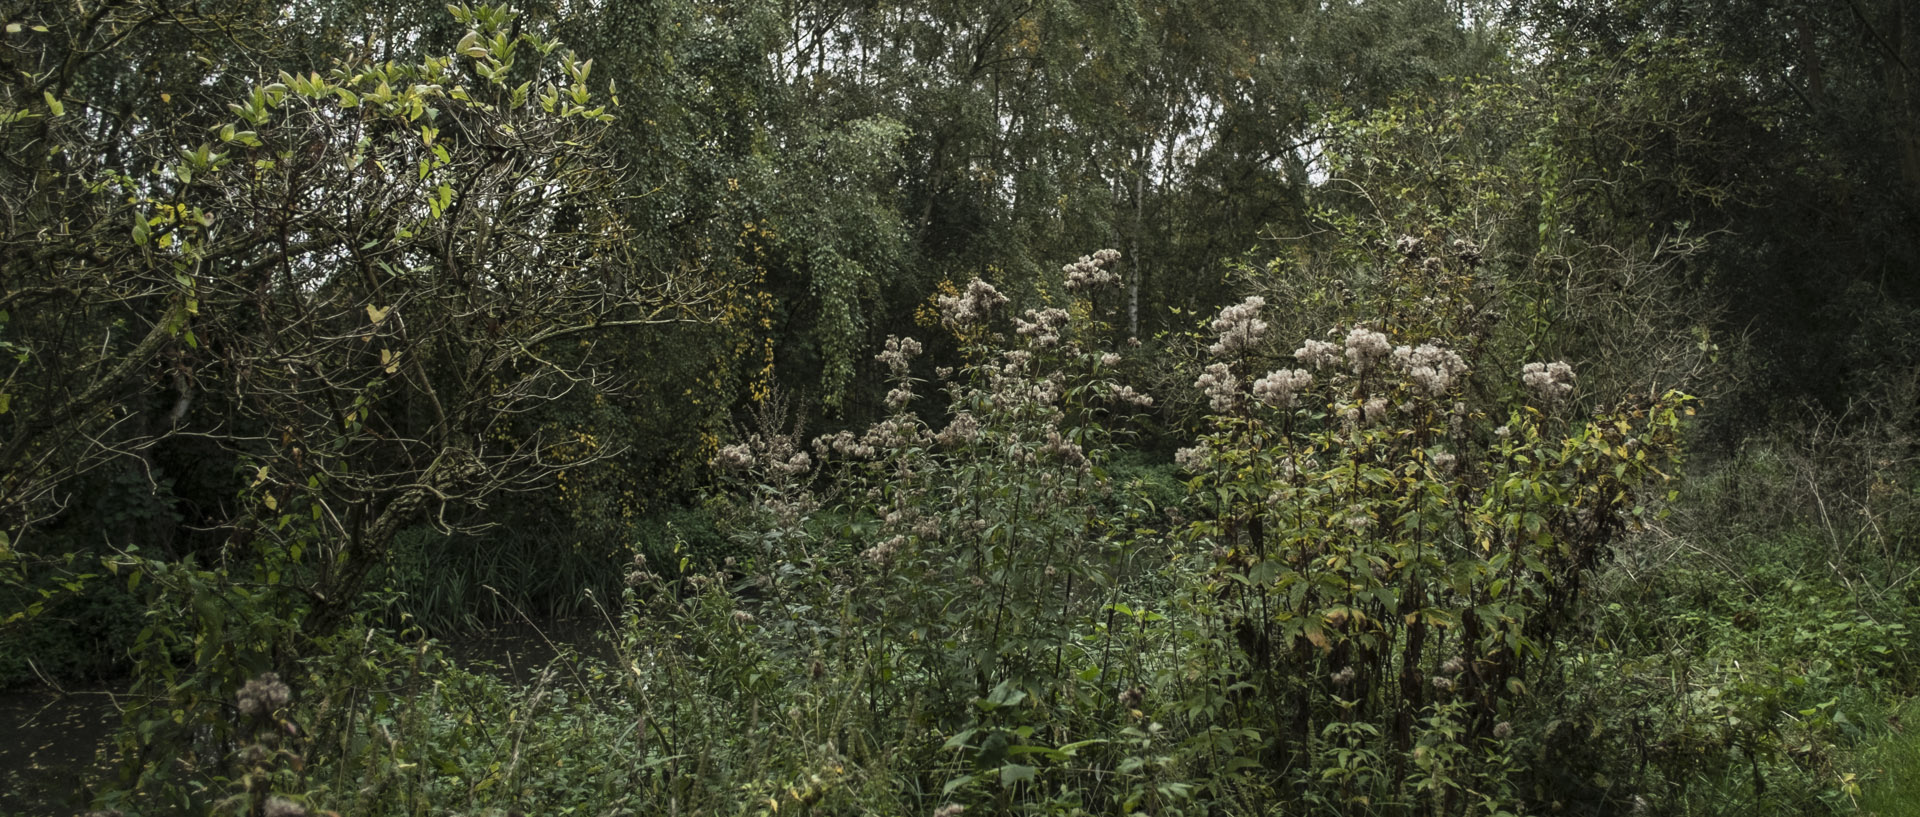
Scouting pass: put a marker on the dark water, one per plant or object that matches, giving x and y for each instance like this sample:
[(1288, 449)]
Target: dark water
[(56, 745), (518, 652)]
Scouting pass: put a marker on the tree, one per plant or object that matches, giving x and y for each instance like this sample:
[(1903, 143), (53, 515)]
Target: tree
[(351, 291), (1792, 128)]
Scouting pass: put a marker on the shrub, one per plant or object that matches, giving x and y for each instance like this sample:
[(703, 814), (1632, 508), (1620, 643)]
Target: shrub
[(1395, 533), (966, 582)]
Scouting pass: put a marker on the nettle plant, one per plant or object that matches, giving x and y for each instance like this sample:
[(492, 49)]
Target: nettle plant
[(960, 570), (1397, 527)]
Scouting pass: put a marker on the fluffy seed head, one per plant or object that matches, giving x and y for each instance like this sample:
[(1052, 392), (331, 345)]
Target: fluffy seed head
[(1239, 328), (1281, 387)]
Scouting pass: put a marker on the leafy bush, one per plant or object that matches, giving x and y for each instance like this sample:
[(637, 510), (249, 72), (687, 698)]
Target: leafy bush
[(963, 578), (1395, 536), (82, 635), (1746, 657)]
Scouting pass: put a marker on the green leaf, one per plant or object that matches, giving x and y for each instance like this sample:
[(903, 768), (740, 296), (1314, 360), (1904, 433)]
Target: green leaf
[(1073, 748), (1015, 773)]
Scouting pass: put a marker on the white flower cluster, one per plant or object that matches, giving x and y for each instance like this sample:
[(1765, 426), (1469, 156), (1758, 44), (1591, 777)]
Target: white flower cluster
[(1007, 386), (1221, 386), (263, 695), (899, 354), (926, 527), (1194, 459), (845, 444), (895, 432), (1358, 519), (1468, 251), (1365, 348), (1239, 327), (1409, 246), (882, 554), (1042, 327), (963, 429), (1375, 409), (1550, 382), (1110, 359), (280, 807), (735, 457), (960, 312), (1092, 271), (1317, 353), (1289, 469), (899, 358), (1127, 394), (1432, 369), (794, 465), (899, 396), (1281, 387), (1067, 450), (911, 519), (778, 456)]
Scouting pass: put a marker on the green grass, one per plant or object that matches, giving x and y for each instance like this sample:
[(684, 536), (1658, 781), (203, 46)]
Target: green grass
[(1894, 763)]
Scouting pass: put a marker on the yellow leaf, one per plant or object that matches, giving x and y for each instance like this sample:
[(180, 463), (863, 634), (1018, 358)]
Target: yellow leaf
[(377, 314), (1318, 637)]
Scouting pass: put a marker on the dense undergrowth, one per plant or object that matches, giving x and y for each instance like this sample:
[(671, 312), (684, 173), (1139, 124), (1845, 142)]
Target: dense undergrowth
[(1392, 576), (1508, 481)]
